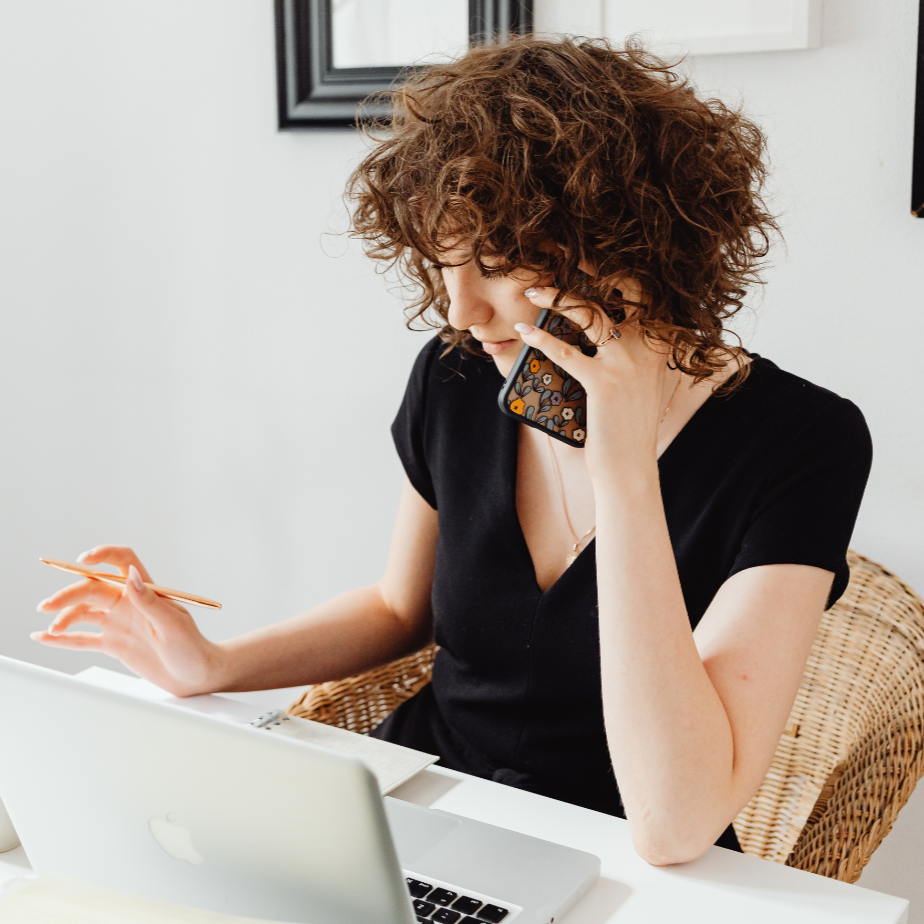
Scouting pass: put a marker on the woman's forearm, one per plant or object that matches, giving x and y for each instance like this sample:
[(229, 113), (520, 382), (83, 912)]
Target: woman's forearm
[(668, 733), (343, 636)]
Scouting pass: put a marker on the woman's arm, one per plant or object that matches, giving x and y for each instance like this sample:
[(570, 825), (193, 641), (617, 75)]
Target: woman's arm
[(158, 639), (356, 631), (692, 721)]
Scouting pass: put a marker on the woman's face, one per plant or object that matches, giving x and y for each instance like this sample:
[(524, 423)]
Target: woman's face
[(489, 306)]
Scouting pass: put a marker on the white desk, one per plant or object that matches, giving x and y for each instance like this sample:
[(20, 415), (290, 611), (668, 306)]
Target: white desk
[(720, 887)]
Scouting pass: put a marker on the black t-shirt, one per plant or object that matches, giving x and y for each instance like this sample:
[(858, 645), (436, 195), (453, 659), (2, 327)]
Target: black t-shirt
[(773, 473)]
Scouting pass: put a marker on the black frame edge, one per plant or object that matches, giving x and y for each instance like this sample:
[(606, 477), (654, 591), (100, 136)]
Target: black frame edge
[(917, 163), (310, 94)]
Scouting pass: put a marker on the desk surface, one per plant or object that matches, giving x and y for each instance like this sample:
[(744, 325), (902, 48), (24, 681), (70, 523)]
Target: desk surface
[(720, 887)]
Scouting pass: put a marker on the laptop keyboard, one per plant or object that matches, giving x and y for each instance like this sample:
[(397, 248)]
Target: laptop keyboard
[(436, 903)]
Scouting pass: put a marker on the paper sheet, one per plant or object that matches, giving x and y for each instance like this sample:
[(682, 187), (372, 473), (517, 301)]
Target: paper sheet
[(392, 764), (53, 900)]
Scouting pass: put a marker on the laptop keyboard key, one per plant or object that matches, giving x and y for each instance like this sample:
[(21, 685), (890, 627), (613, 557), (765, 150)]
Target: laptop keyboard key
[(492, 914), (417, 888), (468, 920), (422, 908), (421, 920), (443, 896), (446, 916), (466, 904)]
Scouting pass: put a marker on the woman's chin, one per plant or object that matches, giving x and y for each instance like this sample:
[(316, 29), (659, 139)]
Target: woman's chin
[(500, 348), (504, 364), (503, 353)]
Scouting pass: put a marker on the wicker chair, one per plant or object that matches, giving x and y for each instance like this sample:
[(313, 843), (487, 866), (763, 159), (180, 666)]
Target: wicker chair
[(848, 761)]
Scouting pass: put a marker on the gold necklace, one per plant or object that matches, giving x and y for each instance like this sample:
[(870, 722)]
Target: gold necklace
[(575, 549), (670, 401), (564, 506)]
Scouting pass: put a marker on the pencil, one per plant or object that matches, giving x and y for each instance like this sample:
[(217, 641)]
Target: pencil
[(117, 580)]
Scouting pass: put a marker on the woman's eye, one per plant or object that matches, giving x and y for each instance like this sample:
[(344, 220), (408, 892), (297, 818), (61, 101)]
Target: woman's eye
[(488, 273)]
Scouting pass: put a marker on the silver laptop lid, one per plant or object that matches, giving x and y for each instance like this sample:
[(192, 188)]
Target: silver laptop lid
[(153, 799)]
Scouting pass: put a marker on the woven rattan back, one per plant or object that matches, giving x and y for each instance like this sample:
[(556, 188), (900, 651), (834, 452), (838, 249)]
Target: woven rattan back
[(362, 702), (852, 751)]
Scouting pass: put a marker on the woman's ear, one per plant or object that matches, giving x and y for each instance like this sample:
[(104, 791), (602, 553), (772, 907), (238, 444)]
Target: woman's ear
[(585, 266)]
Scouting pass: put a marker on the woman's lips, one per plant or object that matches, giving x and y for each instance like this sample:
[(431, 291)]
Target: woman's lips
[(492, 348)]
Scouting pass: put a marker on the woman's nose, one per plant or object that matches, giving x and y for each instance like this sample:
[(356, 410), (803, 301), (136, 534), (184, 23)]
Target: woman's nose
[(468, 305)]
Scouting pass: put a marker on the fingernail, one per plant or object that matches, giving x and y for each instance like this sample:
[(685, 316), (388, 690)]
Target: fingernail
[(531, 292), (83, 555), (35, 635), (523, 328), (41, 606), (135, 577), (51, 630)]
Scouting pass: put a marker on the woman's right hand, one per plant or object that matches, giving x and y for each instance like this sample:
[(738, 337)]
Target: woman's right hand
[(152, 636)]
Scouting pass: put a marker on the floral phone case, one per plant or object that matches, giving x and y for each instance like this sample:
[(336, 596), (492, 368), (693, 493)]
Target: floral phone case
[(541, 394)]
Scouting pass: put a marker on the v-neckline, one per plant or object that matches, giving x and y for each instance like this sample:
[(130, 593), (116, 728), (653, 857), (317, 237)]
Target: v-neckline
[(510, 483), (511, 487)]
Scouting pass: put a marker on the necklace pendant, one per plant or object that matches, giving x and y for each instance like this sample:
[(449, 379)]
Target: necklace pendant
[(569, 561)]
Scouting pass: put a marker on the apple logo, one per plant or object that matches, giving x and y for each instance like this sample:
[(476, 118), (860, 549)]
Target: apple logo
[(174, 839)]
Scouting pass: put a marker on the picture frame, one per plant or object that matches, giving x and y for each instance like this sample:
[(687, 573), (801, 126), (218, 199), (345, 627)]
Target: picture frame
[(312, 93), (917, 159), (697, 27)]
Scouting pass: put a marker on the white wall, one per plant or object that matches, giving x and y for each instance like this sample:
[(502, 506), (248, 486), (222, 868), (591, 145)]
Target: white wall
[(189, 365), (843, 307)]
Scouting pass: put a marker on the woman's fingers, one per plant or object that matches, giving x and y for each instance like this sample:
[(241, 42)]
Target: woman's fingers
[(570, 358), (95, 593), (594, 321), (73, 615), (86, 641), (158, 610), (544, 297), (119, 555)]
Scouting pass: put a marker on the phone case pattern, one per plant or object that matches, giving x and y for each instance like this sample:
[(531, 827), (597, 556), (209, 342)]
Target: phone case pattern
[(545, 395)]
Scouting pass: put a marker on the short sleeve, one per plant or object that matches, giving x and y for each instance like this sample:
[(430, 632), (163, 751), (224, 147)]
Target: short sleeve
[(408, 429), (807, 511)]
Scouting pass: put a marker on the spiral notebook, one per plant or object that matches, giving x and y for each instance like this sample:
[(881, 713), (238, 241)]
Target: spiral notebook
[(392, 764)]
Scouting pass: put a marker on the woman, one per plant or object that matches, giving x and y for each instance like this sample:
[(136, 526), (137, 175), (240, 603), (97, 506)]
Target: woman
[(709, 512)]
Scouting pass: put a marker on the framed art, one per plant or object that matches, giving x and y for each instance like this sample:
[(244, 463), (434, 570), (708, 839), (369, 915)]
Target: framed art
[(333, 54), (698, 27), (917, 165)]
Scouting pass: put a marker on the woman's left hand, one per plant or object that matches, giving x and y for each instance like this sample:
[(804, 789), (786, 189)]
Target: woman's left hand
[(628, 384)]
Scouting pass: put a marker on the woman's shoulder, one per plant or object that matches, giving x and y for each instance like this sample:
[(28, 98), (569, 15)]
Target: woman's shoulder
[(448, 415), (790, 398), (447, 387), (443, 374), (790, 404)]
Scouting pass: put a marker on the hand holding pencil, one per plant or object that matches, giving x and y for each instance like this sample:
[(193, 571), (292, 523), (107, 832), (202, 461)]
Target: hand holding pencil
[(139, 622), (118, 580)]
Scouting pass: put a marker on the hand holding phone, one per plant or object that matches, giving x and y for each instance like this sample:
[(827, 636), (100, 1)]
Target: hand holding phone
[(541, 394)]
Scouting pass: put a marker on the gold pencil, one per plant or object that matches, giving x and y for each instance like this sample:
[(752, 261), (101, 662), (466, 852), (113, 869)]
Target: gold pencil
[(117, 580)]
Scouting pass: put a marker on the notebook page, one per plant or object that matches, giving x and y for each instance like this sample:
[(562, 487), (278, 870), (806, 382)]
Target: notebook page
[(392, 764), (54, 900)]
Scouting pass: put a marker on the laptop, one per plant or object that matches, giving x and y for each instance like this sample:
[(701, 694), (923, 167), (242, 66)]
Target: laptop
[(153, 799)]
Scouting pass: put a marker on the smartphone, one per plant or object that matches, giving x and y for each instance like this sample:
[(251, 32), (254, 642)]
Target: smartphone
[(541, 394)]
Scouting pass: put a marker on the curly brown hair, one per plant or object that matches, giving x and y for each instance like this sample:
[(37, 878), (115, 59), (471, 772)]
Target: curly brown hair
[(606, 152)]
